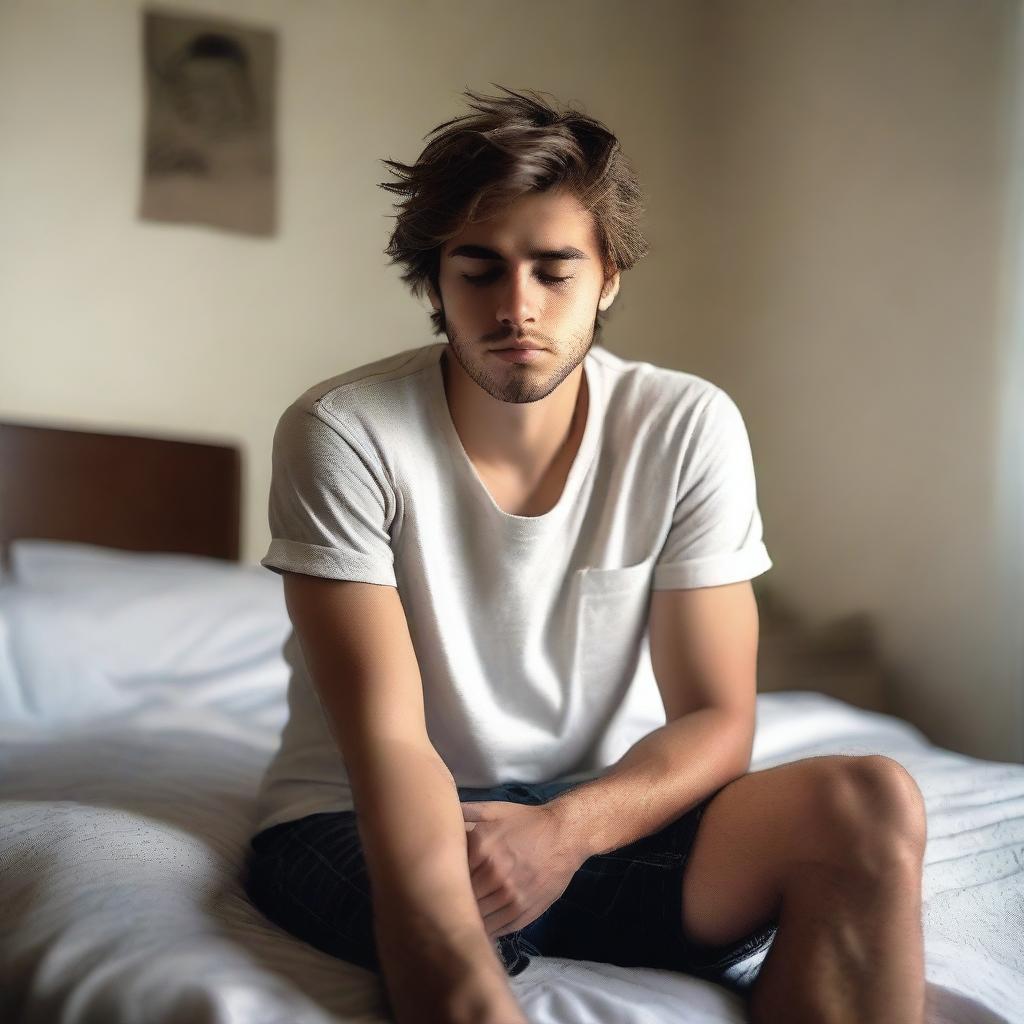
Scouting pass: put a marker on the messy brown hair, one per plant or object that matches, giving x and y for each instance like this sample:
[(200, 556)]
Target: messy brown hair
[(479, 162)]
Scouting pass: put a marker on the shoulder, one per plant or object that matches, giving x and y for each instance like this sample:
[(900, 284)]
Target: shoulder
[(368, 404), (651, 396), (373, 384), (355, 418)]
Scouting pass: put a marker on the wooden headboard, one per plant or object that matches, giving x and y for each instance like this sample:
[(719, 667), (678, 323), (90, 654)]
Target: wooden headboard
[(118, 490)]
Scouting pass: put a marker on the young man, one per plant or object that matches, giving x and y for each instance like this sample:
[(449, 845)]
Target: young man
[(481, 540)]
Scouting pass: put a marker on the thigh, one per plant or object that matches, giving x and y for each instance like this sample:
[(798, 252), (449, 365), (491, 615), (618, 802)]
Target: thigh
[(755, 833), (625, 908), (309, 876)]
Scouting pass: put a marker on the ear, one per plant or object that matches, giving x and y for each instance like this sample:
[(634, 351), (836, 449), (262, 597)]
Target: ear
[(435, 299), (610, 290)]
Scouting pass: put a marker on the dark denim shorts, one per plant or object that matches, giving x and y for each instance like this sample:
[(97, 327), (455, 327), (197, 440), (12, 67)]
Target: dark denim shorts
[(624, 907)]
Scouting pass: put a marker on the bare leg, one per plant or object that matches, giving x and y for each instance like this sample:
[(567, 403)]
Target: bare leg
[(831, 847), (848, 949)]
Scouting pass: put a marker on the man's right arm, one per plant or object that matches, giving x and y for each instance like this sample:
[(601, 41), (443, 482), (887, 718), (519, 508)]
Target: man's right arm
[(436, 957)]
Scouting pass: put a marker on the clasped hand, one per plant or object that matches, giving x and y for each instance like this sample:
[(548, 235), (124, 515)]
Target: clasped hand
[(520, 861)]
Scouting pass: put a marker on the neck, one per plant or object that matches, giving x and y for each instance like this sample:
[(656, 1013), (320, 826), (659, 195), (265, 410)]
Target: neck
[(523, 439)]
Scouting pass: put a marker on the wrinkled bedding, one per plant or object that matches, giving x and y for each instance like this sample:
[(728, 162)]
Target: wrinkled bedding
[(124, 824)]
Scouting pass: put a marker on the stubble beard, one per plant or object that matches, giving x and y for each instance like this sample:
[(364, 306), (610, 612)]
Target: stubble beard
[(525, 383)]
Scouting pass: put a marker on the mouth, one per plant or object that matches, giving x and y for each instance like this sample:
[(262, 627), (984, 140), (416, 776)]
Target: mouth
[(520, 347), (518, 354)]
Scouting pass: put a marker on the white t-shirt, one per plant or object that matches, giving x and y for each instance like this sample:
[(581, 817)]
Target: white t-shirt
[(529, 631)]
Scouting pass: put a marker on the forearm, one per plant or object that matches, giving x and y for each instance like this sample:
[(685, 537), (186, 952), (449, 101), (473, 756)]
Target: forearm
[(427, 923), (660, 778)]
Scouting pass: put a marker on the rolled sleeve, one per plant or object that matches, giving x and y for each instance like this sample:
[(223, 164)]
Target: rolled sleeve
[(330, 504), (716, 535)]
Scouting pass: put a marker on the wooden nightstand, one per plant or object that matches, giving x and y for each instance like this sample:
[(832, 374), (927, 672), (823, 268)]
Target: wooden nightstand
[(838, 658)]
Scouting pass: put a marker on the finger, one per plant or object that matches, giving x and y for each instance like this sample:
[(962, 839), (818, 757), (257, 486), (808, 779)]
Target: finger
[(500, 922), (481, 810), (480, 863), (484, 884), (471, 811), (513, 926), (528, 916), (475, 858), (493, 902)]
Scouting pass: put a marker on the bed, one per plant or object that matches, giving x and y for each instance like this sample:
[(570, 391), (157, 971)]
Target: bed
[(142, 691)]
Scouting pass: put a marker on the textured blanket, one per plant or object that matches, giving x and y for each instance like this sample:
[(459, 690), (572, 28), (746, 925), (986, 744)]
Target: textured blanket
[(122, 842)]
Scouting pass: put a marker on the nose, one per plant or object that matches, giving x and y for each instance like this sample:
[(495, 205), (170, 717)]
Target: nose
[(518, 300)]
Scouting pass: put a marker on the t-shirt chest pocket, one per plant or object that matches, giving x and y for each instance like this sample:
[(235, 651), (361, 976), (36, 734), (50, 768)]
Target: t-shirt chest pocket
[(613, 609)]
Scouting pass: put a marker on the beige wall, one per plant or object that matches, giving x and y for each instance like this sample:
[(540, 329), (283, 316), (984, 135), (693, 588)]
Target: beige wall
[(828, 190), (849, 223)]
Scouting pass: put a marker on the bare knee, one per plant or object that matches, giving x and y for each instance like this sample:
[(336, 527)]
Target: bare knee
[(873, 814)]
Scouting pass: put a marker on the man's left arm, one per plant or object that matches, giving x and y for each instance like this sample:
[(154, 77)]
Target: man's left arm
[(704, 655)]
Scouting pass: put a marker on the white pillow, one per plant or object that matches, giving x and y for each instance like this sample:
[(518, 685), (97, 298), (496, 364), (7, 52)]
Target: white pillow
[(50, 666), (124, 619), (12, 701), (67, 565)]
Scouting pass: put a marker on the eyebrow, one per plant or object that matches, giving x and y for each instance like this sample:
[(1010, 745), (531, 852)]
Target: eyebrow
[(480, 252)]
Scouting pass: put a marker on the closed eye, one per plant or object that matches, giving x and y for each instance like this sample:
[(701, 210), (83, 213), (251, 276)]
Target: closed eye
[(493, 275)]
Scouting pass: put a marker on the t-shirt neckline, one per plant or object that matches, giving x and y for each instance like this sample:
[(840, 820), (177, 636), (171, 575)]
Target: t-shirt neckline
[(465, 468)]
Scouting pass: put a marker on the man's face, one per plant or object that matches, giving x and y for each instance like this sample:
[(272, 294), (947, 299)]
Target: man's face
[(209, 94), (533, 272)]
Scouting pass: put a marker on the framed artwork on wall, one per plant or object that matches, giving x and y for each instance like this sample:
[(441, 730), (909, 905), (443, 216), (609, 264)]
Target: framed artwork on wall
[(209, 152)]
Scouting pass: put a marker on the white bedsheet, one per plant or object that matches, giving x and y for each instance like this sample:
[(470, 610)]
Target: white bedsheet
[(122, 839)]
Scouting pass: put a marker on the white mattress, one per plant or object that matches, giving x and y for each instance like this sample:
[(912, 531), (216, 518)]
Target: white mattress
[(123, 831)]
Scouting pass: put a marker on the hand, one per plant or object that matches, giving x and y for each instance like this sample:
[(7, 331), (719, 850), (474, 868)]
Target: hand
[(481, 999), (457, 990), (520, 861)]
